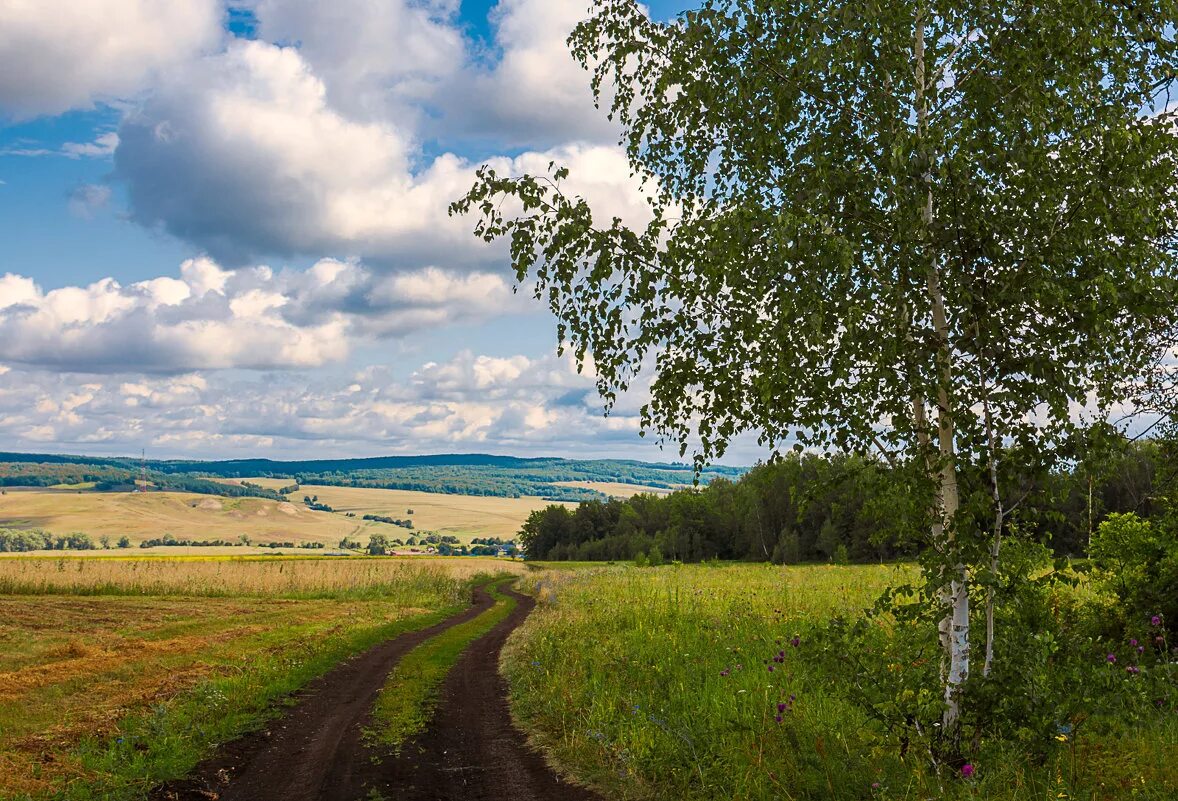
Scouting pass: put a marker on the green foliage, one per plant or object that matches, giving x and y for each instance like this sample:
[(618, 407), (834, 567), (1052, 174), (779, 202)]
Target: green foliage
[(1140, 563), (379, 544), (17, 540)]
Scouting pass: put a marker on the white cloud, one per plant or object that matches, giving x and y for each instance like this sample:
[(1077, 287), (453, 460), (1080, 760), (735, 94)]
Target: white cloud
[(56, 55), (103, 146), (375, 58), (243, 156), (535, 94), (470, 403), (211, 318), (391, 60)]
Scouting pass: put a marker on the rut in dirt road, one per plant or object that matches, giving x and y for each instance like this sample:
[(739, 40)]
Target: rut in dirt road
[(310, 752), (471, 751)]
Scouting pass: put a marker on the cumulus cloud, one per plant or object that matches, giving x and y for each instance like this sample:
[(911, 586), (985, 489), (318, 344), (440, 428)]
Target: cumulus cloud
[(243, 156), (390, 60), (212, 318), (57, 55), (535, 93), (470, 403), (376, 59)]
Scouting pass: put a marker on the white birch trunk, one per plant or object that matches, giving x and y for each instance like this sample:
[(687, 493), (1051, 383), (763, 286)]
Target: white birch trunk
[(954, 627)]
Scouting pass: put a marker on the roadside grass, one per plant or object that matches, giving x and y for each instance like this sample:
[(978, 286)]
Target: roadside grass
[(653, 683), (105, 696), (407, 701)]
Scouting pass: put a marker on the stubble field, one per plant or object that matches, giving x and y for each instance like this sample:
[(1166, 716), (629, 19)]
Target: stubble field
[(116, 674)]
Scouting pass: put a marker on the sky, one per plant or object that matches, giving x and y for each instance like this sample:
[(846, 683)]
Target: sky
[(223, 229)]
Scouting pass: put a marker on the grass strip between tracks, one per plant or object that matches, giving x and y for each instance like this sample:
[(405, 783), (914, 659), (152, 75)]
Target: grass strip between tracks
[(407, 702)]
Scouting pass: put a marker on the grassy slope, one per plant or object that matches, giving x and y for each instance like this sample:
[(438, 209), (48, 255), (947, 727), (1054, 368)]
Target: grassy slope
[(106, 696), (142, 516), (615, 489), (623, 679), (463, 516)]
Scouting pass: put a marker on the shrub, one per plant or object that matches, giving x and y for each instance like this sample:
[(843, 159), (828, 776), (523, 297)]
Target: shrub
[(1140, 563)]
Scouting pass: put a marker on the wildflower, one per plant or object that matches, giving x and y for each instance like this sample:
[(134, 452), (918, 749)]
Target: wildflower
[(778, 718), (796, 641), (1111, 659), (1132, 670), (770, 668), (875, 785), (724, 672), (966, 770), (1141, 649), (782, 707), (1133, 643), (1159, 640), (1156, 620)]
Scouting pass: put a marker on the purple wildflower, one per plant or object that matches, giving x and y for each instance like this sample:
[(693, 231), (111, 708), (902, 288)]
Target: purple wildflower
[(1111, 659), (1132, 670), (1133, 643), (796, 641), (1156, 620), (967, 770)]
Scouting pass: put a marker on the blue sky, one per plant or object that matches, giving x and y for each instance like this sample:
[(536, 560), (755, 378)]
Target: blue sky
[(224, 229)]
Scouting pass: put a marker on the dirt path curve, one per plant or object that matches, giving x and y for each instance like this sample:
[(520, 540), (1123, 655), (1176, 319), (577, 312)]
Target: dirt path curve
[(471, 751), (309, 753)]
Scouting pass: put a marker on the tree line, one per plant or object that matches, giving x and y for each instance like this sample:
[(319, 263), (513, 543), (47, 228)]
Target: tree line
[(840, 508)]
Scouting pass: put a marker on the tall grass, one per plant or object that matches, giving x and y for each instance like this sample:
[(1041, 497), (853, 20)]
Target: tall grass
[(412, 581), (662, 683)]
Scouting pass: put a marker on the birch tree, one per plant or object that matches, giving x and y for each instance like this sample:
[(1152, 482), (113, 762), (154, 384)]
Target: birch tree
[(925, 229)]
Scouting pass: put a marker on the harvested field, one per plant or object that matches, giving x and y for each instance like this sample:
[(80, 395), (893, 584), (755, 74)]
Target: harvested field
[(142, 516), (462, 516), (616, 489), (129, 679)]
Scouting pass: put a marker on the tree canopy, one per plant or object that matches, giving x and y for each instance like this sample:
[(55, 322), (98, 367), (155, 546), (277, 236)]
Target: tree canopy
[(927, 227)]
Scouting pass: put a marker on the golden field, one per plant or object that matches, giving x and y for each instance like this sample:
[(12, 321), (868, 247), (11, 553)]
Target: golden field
[(616, 489), (213, 576), (184, 515), (462, 516), (111, 669)]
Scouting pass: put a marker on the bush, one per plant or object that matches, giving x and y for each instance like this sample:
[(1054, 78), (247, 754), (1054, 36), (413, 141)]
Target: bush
[(1139, 560)]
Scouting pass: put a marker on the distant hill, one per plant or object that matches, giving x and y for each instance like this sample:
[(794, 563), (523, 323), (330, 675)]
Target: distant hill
[(464, 473)]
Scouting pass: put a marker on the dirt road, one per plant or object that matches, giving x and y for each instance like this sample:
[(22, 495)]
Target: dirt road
[(471, 751), (315, 751)]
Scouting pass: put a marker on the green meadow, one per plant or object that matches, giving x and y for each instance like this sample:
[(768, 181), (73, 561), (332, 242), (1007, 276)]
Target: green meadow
[(708, 682)]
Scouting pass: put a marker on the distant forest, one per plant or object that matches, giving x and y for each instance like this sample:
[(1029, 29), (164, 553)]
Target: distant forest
[(808, 508), (460, 474)]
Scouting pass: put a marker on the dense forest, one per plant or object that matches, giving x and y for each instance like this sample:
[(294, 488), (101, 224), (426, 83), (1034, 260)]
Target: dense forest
[(806, 508), (460, 474)]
